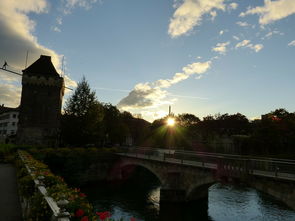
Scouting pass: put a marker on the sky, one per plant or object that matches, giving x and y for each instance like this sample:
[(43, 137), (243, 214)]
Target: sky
[(200, 56)]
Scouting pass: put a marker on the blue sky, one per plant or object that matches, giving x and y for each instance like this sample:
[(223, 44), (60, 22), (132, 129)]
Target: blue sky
[(199, 56)]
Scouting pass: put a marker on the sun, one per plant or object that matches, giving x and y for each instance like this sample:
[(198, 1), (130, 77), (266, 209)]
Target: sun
[(170, 122)]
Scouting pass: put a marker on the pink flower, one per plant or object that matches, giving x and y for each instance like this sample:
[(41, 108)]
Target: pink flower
[(85, 218), (79, 213), (103, 215)]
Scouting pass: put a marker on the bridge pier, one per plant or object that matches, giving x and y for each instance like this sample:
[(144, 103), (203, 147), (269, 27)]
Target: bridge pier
[(175, 206), (172, 195)]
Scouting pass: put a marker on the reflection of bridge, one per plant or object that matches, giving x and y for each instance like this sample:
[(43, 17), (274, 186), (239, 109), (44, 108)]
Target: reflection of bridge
[(186, 175)]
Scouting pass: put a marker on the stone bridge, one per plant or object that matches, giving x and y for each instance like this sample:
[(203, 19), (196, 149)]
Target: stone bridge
[(186, 176)]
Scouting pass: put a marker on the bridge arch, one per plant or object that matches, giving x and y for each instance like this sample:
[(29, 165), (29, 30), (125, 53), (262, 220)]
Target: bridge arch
[(150, 168)]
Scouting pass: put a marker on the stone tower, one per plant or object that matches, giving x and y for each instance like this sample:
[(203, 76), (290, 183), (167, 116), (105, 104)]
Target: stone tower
[(40, 108)]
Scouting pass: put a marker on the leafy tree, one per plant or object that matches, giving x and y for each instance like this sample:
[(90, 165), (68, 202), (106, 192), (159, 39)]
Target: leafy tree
[(82, 121), (81, 101), (187, 120)]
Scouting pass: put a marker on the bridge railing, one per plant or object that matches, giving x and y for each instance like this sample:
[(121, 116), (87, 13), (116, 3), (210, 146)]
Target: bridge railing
[(228, 163)]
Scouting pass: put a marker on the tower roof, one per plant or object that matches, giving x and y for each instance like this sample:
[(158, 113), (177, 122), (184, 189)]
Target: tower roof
[(42, 67)]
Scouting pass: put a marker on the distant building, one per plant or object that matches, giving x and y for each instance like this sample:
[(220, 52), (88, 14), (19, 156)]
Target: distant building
[(8, 122), (40, 108)]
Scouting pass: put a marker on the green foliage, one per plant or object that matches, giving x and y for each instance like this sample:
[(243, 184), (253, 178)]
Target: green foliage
[(81, 101), (78, 206), (81, 123), (56, 188), (273, 135), (70, 163), (87, 122)]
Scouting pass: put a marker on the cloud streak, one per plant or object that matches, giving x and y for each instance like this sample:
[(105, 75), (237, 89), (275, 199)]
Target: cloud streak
[(69, 5), (248, 44), (150, 95), (221, 48)]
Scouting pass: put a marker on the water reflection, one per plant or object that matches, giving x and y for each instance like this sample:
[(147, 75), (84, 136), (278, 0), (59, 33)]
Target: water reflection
[(225, 203)]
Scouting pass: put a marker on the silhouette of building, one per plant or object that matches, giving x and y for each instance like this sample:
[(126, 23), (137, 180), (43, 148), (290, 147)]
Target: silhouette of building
[(8, 123), (40, 107)]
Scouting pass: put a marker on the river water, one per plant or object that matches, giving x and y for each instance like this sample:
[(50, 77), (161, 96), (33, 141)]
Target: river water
[(225, 203)]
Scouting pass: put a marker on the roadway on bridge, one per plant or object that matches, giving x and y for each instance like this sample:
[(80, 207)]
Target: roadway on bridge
[(10, 209), (210, 165)]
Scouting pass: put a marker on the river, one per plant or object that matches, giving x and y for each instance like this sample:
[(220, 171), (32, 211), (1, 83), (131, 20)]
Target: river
[(225, 203)]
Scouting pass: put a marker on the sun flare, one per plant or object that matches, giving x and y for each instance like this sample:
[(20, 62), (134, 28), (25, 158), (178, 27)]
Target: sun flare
[(170, 122)]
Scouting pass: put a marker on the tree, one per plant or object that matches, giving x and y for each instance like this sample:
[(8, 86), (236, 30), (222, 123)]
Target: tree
[(82, 121), (187, 120), (82, 99)]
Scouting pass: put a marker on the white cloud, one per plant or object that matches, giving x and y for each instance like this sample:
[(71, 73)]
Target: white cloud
[(69, 5), (292, 43), (152, 115), (272, 33), (248, 44), (242, 43), (59, 20), (221, 47), (233, 6), (16, 32), (256, 47), (236, 38), (213, 15), (189, 14), (10, 95), (17, 38), (151, 95), (242, 24), (221, 32), (272, 11), (56, 29), (69, 82)]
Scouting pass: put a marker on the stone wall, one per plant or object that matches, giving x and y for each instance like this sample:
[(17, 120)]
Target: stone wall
[(283, 191)]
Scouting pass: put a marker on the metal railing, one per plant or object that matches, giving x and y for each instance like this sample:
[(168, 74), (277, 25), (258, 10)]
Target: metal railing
[(228, 164)]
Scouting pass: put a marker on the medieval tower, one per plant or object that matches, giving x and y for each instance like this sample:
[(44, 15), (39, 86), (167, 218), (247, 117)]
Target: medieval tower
[(40, 107)]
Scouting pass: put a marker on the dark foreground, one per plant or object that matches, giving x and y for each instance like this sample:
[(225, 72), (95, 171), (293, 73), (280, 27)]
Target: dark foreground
[(10, 209)]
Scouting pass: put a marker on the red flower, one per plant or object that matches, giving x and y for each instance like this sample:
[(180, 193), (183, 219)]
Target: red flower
[(84, 218), (79, 213), (132, 219), (82, 195), (103, 215)]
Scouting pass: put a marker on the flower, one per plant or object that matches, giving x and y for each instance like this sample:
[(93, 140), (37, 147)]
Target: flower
[(132, 219), (82, 195), (85, 218), (103, 215), (79, 213)]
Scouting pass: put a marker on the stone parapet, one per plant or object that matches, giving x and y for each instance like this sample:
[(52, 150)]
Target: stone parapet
[(36, 80)]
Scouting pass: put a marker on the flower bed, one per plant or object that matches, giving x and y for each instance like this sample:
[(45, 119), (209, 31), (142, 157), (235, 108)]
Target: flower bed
[(37, 205)]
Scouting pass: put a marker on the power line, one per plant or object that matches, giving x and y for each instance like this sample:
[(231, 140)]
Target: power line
[(4, 69)]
